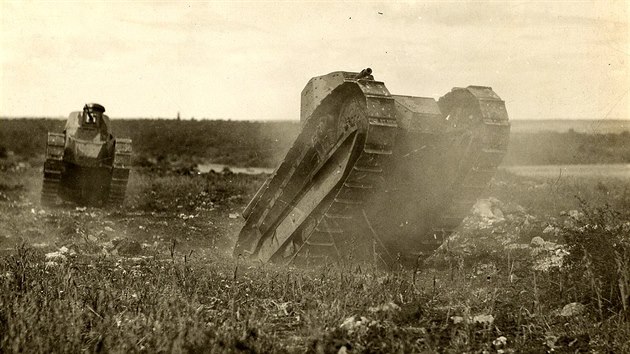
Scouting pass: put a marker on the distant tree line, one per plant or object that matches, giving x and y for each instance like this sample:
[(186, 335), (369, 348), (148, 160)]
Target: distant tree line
[(568, 148), (27, 137), (264, 144)]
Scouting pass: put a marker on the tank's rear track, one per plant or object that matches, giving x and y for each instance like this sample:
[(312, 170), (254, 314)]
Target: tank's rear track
[(376, 177)]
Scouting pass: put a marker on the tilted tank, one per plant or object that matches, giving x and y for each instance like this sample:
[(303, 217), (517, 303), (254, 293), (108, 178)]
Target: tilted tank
[(375, 177), (85, 164)]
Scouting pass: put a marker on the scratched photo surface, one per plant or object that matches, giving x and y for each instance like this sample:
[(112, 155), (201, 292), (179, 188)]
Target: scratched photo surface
[(325, 177)]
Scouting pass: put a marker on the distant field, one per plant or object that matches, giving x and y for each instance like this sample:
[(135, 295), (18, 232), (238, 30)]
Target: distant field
[(264, 144), (589, 126), (601, 126), (612, 170)]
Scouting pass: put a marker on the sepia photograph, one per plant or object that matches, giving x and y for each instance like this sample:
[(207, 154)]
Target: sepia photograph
[(315, 176)]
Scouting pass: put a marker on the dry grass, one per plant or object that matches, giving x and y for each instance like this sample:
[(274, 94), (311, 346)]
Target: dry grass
[(172, 300)]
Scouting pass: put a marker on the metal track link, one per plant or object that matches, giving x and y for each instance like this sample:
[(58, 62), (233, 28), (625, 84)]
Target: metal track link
[(50, 188), (342, 213), (117, 190), (320, 245)]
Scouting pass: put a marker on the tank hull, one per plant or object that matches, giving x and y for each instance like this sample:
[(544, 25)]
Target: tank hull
[(84, 171), (375, 177)]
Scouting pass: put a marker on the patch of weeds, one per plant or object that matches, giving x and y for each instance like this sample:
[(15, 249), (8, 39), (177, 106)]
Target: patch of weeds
[(195, 192), (598, 264), (20, 267)]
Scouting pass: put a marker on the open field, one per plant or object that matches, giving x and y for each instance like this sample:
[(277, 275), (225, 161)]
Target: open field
[(595, 126), (559, 171), (157, 276), (540, 265), (264, 144)]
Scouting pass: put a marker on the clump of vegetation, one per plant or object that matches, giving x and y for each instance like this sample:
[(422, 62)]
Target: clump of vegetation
[(598, 264), (191, 192), (27, 137)]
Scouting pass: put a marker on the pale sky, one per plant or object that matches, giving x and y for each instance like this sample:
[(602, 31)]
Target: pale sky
[(250, 60)]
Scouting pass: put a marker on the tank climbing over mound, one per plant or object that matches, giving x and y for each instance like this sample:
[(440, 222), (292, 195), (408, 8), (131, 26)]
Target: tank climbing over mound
[(375, 177)]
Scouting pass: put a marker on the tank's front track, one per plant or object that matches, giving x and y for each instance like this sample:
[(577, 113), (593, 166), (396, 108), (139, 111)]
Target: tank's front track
[(335, 162)]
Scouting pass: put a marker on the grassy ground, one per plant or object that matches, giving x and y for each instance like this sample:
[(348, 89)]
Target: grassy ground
[(156, 276)]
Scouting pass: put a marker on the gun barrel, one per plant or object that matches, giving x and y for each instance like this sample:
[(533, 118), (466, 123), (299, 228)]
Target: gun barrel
[(364, 73)]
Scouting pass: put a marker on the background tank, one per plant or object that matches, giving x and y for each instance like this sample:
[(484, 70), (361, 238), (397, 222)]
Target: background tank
[(373, 176), (85, 164)]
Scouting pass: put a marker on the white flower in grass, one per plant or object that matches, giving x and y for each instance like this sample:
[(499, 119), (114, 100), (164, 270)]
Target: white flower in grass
[(58, 256), (499, 342), (51, 264), (355, 323), (457, 319), (483, 319)]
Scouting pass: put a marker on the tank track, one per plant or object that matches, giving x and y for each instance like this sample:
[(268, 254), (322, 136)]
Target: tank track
[(486, 150), (319, 234), (333, 231), (53, 168), (120, 172)]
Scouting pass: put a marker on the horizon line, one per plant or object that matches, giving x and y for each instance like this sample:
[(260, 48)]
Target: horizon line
[(294, 120)]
